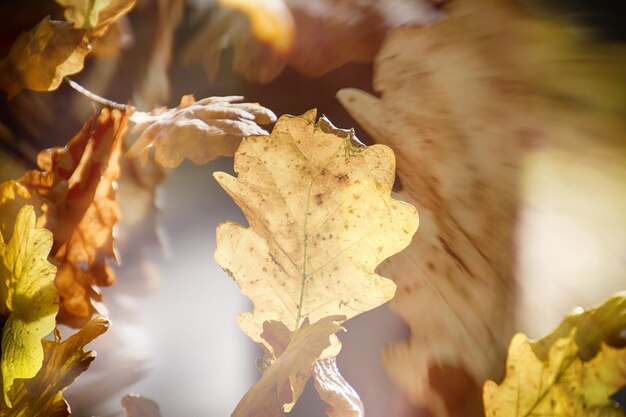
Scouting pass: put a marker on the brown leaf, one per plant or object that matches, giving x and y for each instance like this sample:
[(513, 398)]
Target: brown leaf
[(463, 103), (198, 130), (63, 363), (76, 194), (41, 57), (283, 381), (137, 406), (326, 34)]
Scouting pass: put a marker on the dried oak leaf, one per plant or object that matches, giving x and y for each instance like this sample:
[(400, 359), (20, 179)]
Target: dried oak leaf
[(41, 57), (63, 362), (95, 16), (29, 301), (321, 219), (76, 194), (138, 406), (291, 366), (313, 37), (335, 390), (571, 372), (198, 130), (462, 103)]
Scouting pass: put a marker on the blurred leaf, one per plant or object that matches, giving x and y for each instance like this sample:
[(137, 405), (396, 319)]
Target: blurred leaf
[(137, 406), (335, 390), (270, 21), (41, 57), (201, 131), (328, 34), (63, 362), (75, 193), (95, 16), (283, 381), (464, 103), (564, 379), (28, 300), (321, 219)]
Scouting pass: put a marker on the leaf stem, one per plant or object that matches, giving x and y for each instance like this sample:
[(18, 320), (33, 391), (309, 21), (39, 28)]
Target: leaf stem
[(93, 96)]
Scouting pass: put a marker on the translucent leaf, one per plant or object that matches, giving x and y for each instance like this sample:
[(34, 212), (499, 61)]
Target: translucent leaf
[(41, 57), (284, 380), (564, 379), (75, 194), (95, 16), (321, 219), (63, 362), (29, 300), (199, 130)]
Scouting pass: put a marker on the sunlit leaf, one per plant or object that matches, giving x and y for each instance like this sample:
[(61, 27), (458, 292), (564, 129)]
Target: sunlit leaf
[(75, 192), (314, 37), (28, 300), (465, 103), (571, 372), (198, 130), (63, 362), (335, 390), (321, 219), (291, 366), (41, 57), (95, 16)]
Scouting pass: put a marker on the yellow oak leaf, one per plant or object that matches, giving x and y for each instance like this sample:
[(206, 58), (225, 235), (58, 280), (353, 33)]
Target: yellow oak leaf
[(291, 366), (466, 104), (63, 362), (198, 130), (29, 300), (95, 16), (575, 373), (75, 194), (321, 219), (41, 57)]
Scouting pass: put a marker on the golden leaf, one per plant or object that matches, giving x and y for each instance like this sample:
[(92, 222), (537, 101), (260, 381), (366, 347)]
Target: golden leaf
[(63, 362), (283, 381), (76, 193), (199, 130), (464, 103), (28, 300), (313, 37), (95, 16), (321, 219), (574, 374), (41, 57)]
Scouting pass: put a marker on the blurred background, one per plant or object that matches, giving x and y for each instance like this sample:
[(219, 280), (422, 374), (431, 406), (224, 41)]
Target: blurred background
[(175, 337)]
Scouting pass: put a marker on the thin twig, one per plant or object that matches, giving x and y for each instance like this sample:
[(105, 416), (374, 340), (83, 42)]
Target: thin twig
[(95, 97)]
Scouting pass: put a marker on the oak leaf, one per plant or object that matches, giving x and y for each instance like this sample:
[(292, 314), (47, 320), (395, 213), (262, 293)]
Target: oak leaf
[(291, 366), (570, 372), (28, 300), (75, 193), (464, 103), (95, 16), (321, 219), (41, 57), (335, 390), (63, 362), (198, 130), (313, 37)]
